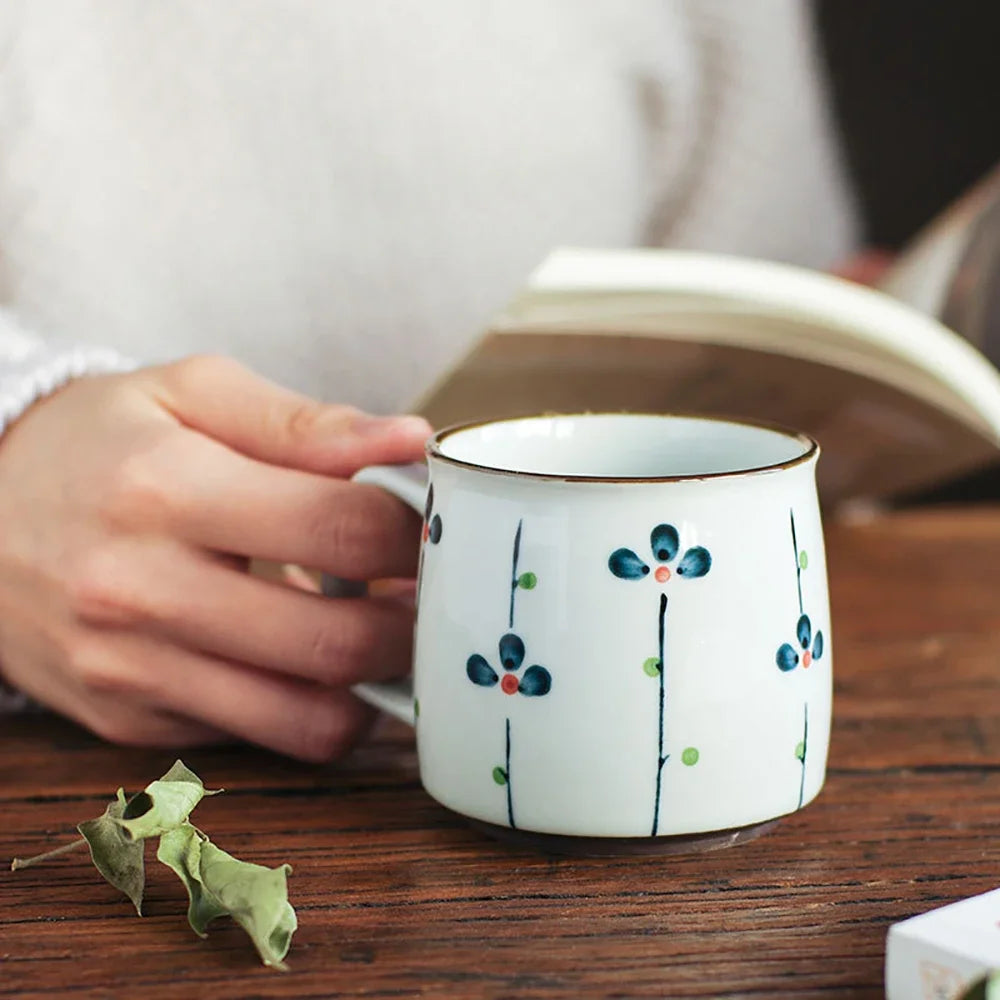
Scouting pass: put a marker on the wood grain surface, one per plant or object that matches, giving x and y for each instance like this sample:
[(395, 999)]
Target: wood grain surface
[(398, 898)]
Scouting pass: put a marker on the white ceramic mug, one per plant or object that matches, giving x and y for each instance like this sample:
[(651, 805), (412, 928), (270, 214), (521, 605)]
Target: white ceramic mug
[(623, 624)]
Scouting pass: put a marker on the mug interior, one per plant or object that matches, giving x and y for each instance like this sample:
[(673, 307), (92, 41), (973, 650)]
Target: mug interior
[(622, 446)]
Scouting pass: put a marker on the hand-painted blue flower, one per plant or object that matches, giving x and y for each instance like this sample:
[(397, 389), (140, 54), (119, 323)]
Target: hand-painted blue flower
[(626, 565), (665, 544), (432, 522), (535, 681), (511, 651), (787, 657), (480, 672), (696, 562)]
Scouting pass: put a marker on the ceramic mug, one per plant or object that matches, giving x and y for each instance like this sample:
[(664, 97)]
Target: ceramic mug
[(623, 625)]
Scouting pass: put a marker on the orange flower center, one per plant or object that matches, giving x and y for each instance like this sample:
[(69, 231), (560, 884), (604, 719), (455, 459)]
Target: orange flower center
[(662, 574), (807, 658), (509, 684)]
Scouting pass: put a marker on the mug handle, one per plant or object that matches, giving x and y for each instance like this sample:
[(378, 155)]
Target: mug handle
[(409, 484)]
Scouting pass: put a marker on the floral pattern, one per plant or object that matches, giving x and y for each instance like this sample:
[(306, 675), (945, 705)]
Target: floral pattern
[(805, 651), (432, 531), (664, 541), (534, 682), (433, 525), (812, 647), (626, 564)]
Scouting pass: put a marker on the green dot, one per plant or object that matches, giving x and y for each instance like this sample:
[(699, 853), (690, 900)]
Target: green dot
[(652, 667), (803, 560), (416, 708), (527, 581), (690, 756), (800, 750), (500, 776)]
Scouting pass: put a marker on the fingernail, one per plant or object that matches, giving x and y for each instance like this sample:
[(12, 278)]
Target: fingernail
[(408, 424)]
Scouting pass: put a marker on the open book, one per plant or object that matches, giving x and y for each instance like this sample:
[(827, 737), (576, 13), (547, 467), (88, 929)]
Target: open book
[(897, 400)]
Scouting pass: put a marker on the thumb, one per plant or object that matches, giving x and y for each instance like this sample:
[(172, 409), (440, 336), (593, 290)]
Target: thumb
[(225, 401)]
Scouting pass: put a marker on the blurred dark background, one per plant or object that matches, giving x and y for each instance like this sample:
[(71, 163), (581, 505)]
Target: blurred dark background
[(916, 90), (916, 93)]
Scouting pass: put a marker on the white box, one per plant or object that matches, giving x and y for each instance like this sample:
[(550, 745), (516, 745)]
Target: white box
[(938, 954)]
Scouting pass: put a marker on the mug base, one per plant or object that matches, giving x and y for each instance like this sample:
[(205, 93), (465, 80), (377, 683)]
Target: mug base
[(598, 847)]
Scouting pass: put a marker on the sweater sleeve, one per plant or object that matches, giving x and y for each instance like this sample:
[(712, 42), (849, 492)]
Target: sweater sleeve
[(30, 370)]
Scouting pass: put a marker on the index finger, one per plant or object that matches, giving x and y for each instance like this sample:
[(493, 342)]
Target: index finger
[(230, 403), (220, 500)]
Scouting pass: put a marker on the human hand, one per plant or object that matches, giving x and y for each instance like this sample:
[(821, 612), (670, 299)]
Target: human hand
[(866, 267), (130, 506)]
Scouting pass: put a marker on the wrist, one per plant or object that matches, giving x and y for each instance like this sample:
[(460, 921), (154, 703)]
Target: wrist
[(38, 373)]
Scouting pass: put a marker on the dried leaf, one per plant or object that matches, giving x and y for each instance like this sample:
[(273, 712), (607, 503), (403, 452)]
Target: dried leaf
[(164, 804), (987, 988), (218, 884), (255, 896), (180, 850), (116, 856)]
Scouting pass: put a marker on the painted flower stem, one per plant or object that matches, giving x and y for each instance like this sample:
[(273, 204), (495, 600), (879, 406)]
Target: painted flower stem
[(510, 794), (805, 751), (798, 564), (661, 758), (533, 682), (513, 571), (626, 564)]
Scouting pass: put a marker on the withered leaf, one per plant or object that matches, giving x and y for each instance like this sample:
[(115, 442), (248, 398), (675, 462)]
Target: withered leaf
[(256, 897), (164, 804), (218, 884), (116, 856), (180, 850)]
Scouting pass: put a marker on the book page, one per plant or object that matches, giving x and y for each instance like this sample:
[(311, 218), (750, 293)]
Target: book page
[(897, 402), (877, 441), (652, 316), (951, 269), (775, 307)]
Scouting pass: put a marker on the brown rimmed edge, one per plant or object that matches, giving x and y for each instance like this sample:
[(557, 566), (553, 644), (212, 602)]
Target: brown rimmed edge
[(811, 445)]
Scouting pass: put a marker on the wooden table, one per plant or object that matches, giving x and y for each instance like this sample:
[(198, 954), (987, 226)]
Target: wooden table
[(397, 898)]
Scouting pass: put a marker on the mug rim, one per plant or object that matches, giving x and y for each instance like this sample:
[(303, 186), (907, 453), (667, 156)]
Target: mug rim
[(811, 452)]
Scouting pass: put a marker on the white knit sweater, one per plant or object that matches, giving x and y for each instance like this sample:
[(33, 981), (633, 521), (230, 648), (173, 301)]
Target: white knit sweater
[(341, 193)]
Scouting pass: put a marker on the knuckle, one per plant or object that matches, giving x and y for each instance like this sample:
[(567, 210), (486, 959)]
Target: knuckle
[(194, 373), (93, 668), (345, 537), (309, 425), (97, 590), (338, 649), (301, 419), (137, 494)]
